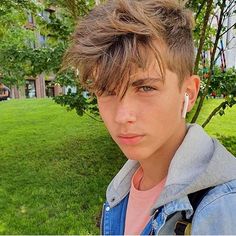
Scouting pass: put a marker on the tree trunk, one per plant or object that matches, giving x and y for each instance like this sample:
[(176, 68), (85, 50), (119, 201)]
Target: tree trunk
[(203, 35), (200, 8)]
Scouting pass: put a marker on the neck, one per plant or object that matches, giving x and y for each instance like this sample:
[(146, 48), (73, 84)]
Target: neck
[(155, 168)]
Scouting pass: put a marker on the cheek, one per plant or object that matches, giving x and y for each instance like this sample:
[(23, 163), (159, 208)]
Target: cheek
[(102, 111), (100, 107), (106, 115), (162, 110)]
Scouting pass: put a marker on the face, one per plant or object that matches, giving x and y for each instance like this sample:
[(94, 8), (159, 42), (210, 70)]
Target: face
[(147, 121)]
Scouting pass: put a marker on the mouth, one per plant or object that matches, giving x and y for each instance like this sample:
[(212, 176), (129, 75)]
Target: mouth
[(130, 139)]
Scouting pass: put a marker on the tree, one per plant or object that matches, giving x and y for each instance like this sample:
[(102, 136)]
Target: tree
[(21, 56), (75, 8), (222, 84), (77, 100), (208, 13), (13, 37)]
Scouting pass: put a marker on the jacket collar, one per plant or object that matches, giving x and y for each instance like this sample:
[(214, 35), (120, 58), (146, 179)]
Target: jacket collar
[(199, 162)]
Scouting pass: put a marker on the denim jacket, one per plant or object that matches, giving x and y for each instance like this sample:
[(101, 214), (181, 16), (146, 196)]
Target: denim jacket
[(200, 162)]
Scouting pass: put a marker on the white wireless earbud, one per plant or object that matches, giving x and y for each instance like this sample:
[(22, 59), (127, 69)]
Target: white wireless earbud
[(186, 101)]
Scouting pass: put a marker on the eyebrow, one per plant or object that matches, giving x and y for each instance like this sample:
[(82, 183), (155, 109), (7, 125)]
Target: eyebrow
[(143, 81)]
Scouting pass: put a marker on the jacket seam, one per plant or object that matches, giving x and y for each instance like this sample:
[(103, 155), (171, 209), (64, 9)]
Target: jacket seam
[(199, 210), (230, 187)]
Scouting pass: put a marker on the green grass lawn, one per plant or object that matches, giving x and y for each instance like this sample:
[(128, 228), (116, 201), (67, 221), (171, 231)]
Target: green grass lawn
[(54, 169), (55, 166)]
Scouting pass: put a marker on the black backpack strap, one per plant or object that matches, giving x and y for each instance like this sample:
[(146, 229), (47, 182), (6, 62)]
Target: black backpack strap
[(183, 227)]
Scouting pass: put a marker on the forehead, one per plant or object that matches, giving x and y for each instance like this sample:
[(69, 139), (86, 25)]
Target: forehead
[(152, 69), (116, 72), (140, 77), (150, 72)]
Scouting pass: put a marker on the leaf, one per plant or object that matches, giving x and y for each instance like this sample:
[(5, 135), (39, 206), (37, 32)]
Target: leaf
[(221, 112)]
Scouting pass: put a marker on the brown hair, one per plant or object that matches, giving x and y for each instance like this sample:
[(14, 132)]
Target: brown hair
[(109, 40)]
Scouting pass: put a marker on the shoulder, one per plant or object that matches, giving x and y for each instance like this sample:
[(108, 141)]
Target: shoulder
[(218, 198), (219, 191), (217, 211)]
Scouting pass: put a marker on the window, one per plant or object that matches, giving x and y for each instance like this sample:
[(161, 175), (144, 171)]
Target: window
[(42, 40), (49, 87), (30, 91), (45, 15), (30, 18)]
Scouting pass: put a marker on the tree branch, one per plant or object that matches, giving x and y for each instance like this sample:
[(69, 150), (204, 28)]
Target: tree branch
[(86, 113), (232, 26), (203, 35), (205, 92), (214, 112), (230, 7), (222, 50)]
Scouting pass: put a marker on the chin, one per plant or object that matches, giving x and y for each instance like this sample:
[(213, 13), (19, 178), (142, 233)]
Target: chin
[(134, 157), (135, 153)]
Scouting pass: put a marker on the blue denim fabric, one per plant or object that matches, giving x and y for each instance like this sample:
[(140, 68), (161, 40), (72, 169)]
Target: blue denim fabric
[(113, 220), (215, 215)]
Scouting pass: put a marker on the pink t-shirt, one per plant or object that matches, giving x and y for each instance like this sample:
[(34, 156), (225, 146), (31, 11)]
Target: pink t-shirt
[(140, 204)]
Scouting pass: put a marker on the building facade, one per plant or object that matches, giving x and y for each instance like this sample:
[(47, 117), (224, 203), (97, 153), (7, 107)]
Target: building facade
[(42, 85)]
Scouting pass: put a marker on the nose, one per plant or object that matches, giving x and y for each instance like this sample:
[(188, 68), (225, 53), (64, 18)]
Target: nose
[(125, 112)]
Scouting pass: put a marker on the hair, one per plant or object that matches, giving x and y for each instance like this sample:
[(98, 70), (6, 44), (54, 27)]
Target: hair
[(111, 38)]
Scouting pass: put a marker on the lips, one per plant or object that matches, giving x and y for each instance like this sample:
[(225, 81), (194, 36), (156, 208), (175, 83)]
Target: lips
[(130, 139)]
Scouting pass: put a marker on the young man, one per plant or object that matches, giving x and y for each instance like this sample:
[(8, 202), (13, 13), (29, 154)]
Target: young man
[(137, 57)]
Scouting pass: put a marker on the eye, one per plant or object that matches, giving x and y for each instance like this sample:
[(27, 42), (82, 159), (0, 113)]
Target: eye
[(146, 89)]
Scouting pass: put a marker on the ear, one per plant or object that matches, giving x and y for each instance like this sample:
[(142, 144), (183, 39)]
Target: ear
[(191, 86)]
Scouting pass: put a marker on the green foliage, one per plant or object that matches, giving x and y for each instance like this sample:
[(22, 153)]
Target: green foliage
[(46, 59), (66, 78), (222, 82), (19, 5), (58, 29), (213, 14), (230, 102), (210, 31), (19, 63), (19, 60), (13, 39), (75, 8), (57, 26), (80, 101)]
